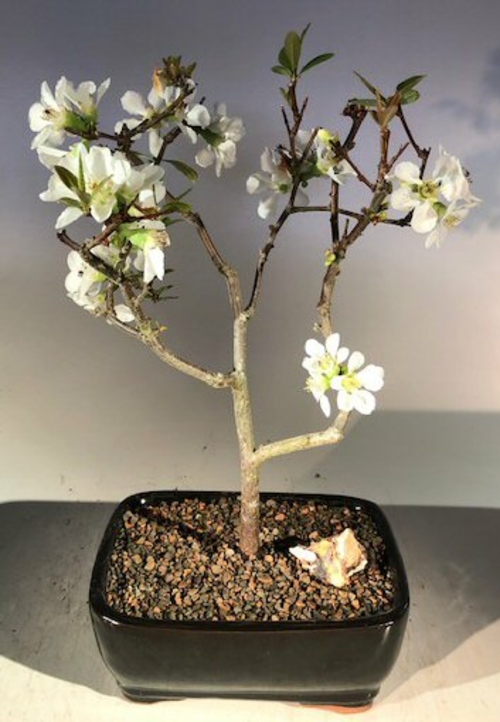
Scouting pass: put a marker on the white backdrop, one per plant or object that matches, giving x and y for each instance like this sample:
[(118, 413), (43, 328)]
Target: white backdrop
[(88, 413)]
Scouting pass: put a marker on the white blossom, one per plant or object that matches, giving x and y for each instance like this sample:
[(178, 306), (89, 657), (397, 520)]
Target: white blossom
[(86, 286), (67, 109), (84, 283), (356, 384), (274, 181), (96, 180), (331, 367), (223, 133), (158, 102), (149, 238), (438, 203), (327, 161)]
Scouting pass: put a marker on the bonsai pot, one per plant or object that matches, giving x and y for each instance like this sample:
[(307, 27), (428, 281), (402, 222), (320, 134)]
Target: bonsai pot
[(311, 662)]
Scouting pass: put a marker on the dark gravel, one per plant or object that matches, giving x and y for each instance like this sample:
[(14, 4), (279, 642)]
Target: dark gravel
[(180, 561)]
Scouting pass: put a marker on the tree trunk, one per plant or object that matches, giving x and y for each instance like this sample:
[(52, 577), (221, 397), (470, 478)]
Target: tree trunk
[(249, 465)]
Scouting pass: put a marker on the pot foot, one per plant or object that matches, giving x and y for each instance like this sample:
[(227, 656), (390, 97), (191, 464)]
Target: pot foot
[(339, 709)]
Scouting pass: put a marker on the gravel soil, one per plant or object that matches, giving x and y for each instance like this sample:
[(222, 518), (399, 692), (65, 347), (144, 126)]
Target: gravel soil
[(179, 560)]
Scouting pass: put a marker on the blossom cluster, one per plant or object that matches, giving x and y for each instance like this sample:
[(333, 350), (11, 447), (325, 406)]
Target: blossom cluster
[(91, 179), (332, 367), (437, 205), (276, 179), (126, 192)]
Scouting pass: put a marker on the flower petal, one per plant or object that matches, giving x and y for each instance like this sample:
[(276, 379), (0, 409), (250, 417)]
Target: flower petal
[(424, 218), (198, 115), (332, 344), (407, 172), (364, 402), (69, 215), (372, 377), (123, 313), (134, 103), (325, 405), (314, 348), (356, 361), (344, 400)]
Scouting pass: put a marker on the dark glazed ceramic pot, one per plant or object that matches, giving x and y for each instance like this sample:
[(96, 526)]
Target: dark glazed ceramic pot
[(340, 663)]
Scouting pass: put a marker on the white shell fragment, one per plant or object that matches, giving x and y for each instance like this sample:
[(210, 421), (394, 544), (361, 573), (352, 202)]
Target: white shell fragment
[(335, 559)]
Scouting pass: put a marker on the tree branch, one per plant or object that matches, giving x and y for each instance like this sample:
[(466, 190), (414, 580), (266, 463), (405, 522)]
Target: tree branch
[(332, 435), (149, 333), (229, 273)]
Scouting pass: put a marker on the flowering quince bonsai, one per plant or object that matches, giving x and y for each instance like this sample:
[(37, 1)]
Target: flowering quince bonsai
[(122, 180)]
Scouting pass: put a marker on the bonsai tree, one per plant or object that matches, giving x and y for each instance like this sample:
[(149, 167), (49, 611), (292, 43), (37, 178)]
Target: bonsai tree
[(123, 183)]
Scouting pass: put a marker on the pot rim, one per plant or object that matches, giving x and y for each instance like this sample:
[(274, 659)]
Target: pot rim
[(101, 608)]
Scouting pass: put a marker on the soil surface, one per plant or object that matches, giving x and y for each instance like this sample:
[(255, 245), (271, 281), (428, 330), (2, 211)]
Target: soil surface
[(180, 561)]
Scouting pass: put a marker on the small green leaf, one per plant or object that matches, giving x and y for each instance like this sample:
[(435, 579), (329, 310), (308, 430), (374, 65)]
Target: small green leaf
[(171, 221), (409, 83), (285, 95), (284, 60), (209, 136), (178, 207), (304, 32), (363, 102), (317, 61), (280, 70), (376, 92), (190, 173), (410, 96), (67, 177), (293, 48), (71, 202)]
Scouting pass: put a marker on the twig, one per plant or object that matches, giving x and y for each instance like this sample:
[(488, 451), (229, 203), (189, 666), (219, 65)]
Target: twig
[(332, 435), (229, 273)]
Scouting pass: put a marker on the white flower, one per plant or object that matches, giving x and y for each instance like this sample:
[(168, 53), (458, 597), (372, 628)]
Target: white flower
[(83, 283), (327, 162), (323, 364), (355, 386), (331, 368), (92, 182), (275, 181), (67, 109), (158, 101), (437, 204), (223, 133), (86, 286), (450, 218), (150, 238)]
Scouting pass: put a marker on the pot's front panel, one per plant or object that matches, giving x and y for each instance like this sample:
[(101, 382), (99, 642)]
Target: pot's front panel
[(303, 664)]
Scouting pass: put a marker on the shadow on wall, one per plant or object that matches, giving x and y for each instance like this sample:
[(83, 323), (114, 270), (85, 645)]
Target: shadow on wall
[(47, 551)]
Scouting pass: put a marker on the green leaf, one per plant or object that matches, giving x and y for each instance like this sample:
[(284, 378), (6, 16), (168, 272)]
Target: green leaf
[(285, 61), (409, 83), (317, 61), (178, 207), (209, 136), (280, 70), (410, 96), (171, 221), (285, 95), (190, 173), (293, 48), (67, 177), (71, 202), (304, 32), (363, 102), (376, 92)]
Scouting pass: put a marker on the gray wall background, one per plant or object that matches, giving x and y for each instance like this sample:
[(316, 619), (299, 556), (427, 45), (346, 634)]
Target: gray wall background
[(87, 412)]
